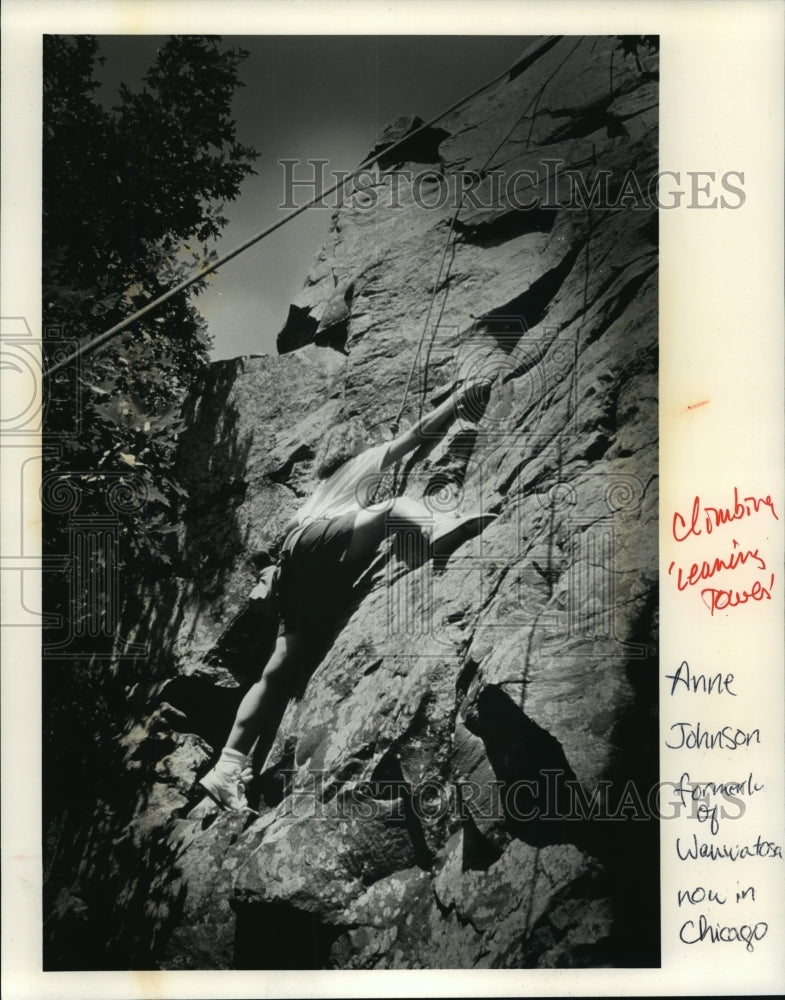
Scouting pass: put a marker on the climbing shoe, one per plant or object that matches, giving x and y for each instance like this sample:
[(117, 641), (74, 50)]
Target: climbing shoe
[(226, 782)]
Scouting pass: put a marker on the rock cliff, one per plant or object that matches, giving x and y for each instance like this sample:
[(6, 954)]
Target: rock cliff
[(428, 799)]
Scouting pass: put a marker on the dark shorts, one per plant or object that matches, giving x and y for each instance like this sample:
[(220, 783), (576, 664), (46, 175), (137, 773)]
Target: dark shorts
[(316, 579)]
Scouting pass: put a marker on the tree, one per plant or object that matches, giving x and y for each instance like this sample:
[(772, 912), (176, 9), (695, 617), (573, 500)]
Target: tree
[(132, 203)]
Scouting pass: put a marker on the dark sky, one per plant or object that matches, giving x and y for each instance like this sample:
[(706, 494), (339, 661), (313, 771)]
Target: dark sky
[(309, 96)]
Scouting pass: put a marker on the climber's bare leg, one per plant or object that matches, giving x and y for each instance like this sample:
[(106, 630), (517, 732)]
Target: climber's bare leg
[(372, 525), (261, 710)]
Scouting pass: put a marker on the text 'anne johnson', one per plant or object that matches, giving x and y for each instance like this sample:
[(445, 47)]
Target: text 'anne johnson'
[(704, 520)]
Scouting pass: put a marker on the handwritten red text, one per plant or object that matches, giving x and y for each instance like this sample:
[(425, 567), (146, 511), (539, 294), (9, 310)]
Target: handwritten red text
[(705, 518), (705, 570), (716, 599)]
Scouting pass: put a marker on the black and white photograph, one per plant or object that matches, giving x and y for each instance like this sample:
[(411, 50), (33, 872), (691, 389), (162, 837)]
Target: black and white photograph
[(353, 642), (392, 489)]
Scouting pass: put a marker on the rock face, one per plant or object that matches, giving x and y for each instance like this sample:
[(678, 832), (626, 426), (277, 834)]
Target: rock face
[(427, 802)]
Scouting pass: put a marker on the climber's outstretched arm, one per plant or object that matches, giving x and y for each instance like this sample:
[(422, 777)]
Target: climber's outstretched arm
[(435, 421)]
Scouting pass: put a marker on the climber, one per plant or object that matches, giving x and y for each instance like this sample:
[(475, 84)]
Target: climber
[(330, 541)]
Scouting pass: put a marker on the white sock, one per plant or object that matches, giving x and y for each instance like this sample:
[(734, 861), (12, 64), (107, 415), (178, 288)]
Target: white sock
[(233, 758)]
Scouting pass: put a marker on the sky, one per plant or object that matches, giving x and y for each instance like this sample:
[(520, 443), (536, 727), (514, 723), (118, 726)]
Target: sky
[(308, 97)]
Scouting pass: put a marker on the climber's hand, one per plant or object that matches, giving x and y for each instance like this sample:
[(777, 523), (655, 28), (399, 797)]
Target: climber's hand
[(473, 396)]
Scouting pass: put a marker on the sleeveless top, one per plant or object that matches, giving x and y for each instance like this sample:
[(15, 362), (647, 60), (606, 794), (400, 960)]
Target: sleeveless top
[(349, 489)]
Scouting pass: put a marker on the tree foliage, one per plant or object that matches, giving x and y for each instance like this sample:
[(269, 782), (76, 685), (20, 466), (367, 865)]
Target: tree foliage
[(132, 204)]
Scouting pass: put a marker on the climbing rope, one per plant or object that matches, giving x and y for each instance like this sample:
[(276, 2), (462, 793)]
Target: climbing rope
[(112, 332), (533, 103)]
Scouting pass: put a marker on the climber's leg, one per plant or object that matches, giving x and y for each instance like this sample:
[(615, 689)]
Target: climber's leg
[(371, 526), (445, 530), (262, 707), (258, 715)]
